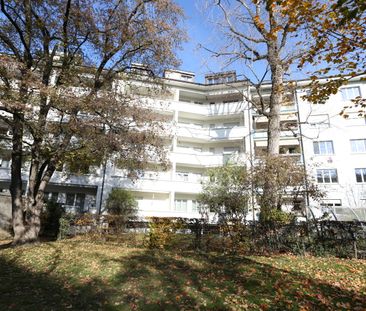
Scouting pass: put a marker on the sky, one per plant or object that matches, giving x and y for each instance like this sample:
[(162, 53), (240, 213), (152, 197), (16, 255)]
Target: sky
[(201, 31)]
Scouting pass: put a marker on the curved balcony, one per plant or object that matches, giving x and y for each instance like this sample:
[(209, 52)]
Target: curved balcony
[(215, 134)]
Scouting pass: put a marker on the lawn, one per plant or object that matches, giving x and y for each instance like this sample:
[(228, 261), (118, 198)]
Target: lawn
[(81, 275)]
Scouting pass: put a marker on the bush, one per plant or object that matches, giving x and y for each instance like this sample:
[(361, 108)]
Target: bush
[(162, 231), (65, 226), (276, 216), (122, 206), (50, 219)]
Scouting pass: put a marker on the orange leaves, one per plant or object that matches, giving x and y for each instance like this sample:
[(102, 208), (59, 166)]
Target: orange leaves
[(258, 23)]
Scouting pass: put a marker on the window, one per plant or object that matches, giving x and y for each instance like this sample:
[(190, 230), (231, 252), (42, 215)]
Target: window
[(180, 205), (195, 206), (329, 205), (360, 174), (326, 176), (186, 77), (53, 196), (75, 200), (5, 162), (182, 176), (212, 150), (323, 147), (358, 145), (349, 93)]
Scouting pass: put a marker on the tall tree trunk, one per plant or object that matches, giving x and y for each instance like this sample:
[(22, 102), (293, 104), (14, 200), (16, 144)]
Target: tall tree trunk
[(16, 181), (269, 200), (274, 129)]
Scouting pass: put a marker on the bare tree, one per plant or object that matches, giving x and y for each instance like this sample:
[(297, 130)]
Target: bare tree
[(260, 32), (63, 90)]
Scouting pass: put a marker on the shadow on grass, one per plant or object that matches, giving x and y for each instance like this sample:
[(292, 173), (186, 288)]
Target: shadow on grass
[(22, 289), (153, 280), (167, 282)]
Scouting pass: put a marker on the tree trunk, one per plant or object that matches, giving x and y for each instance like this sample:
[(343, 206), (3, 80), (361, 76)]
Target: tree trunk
[(16, 181), (269, 200), (274, 129)]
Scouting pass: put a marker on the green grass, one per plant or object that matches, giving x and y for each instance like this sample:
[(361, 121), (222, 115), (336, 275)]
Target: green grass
[(80, 275)]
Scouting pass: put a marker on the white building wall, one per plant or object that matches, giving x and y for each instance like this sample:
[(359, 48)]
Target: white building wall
[(323, 122)]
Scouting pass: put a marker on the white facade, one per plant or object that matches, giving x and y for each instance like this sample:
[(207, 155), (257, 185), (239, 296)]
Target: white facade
[(334, 150), (211, 123)]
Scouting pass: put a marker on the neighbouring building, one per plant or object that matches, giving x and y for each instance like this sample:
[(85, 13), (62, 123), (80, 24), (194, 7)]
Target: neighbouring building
[(212, 123)]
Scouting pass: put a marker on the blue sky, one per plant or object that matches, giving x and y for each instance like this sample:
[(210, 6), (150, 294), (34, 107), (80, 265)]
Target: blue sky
[(202, 32)]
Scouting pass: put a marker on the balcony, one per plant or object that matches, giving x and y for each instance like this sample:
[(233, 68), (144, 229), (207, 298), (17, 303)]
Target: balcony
[(216, 109), (203, 160), (262, 135), (215, 134), (284, 109)]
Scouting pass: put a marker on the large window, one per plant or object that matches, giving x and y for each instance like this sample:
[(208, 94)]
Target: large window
[(349, 93), (360, 174), (181, 205), (323, 147), (358, 145), (326, 176), (76, 200)]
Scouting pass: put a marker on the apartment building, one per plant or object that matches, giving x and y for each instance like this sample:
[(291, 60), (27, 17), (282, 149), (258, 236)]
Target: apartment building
[(334, 150), (212, 123)]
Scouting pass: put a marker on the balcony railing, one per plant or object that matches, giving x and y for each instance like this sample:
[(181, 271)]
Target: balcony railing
[(209, 109), (204, 160), (233, 133), (284, 134)]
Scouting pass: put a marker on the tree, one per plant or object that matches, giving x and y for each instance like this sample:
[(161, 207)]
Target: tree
[(122, 206), (121, 202), (261, 32), (226, 193), (65, 92), (337, 33), (290, 186)]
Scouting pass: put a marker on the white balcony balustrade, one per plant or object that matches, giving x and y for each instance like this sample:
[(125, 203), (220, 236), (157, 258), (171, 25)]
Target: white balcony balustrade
[(207, 134), (203, 159), (214, 109)]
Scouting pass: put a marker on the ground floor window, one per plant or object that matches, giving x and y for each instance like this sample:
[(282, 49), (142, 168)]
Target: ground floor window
[(330, 205), (51, 197), (180, 205), (75, 200), (195, 206)]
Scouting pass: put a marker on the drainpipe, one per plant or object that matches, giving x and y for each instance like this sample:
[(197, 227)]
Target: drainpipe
[(251, 151), (307, 205)]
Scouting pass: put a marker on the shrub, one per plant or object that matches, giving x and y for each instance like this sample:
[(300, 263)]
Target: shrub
[(121, 206), (50, 219), (276, 216), (65, 226), (162, 231)]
